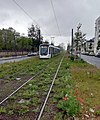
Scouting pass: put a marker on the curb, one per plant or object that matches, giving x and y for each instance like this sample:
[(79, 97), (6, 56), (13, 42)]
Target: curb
[(8, 58)]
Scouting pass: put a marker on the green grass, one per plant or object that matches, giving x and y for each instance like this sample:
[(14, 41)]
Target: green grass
[(77, 75), (87, 78), (12, 70), (72, 76), (33, 93), (2, 110)]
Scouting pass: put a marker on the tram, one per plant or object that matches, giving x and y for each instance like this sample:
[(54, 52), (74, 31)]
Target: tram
[(48, 51)]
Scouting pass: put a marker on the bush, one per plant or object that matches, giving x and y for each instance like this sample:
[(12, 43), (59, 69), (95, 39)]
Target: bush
[(69, 104), (72, 58)]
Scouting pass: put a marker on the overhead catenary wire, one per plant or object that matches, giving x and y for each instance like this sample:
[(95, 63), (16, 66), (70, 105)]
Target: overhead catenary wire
[(24, 11), (27, 14), (55, 17)]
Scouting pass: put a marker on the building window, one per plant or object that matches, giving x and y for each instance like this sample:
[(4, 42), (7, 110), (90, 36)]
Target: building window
[(99, 22), (98, 36)]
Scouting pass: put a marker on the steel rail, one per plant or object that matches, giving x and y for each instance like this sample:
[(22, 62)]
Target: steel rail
[(44, 104), (23, 85)]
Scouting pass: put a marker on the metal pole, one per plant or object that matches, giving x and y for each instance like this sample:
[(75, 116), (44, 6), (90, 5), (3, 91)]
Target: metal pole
[(15, 43), (72, 43)]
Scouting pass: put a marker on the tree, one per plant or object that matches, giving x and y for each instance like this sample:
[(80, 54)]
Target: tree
[(39, 38), (1, 41), (35, 34), (79, 39), (24, 44), (11, 39), (8, 38)]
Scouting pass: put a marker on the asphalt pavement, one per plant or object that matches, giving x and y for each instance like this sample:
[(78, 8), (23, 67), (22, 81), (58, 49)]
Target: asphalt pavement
[(91, 60), (13, 59)]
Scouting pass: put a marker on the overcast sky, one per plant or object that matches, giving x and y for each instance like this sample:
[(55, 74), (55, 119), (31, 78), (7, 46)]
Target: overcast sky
[(68, 13)]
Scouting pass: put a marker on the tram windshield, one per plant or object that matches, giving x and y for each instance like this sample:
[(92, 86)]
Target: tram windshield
[(44, 50)]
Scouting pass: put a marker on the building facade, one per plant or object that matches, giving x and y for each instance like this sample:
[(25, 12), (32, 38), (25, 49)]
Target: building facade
[(97, 35), (88, 46)]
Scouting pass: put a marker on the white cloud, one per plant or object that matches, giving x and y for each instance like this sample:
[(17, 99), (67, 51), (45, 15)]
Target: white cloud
[(68, 12)]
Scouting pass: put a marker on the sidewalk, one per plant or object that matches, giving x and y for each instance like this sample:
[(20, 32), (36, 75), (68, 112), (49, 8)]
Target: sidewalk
[(8, 58)]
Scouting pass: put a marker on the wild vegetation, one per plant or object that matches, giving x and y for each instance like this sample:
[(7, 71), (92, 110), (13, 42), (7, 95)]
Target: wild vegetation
[(74, 95), (29, 99), (16, 73)]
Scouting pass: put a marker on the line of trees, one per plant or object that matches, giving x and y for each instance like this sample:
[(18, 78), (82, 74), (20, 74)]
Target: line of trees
[(12, 41)]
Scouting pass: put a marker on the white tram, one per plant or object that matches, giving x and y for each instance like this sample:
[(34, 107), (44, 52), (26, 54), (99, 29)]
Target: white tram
[(48, 51)]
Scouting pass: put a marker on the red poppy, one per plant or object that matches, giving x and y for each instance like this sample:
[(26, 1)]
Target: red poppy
[(65, 98), (81, 100), (76, 93)]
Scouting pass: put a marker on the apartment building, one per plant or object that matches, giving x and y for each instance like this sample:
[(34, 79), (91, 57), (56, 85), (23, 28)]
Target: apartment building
[(97, 35), (88, 46)]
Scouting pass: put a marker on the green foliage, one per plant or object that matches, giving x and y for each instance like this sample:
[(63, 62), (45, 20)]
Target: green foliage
[(70, 106), (28, 94), (67, 101), (35, 34), (98, 112), (33, 87), (10, 112), (58, 116), (59, 96), (22, 110), (12, 98), (32, 94), (67, 66), (2, 110), (10, 40), (79, 38), (1, 41), (36, 110), (72, 58), (35, 101), (24, 44)]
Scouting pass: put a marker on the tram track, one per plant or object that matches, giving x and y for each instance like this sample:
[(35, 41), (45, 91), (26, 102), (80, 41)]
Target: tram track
[(22, 85), (41, 95), (48, 94), (7, 86)]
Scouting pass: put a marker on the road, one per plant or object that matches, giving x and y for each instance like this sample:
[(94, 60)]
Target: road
[(92, 60), (13, 59)]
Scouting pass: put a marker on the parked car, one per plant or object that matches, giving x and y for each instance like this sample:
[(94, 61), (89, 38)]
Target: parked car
[(91, 53), (97, 54), (85, 53)]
